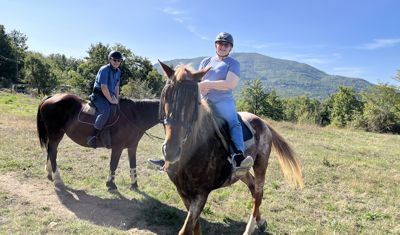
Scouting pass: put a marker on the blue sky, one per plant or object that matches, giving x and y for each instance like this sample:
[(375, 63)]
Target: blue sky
[(356, 38)]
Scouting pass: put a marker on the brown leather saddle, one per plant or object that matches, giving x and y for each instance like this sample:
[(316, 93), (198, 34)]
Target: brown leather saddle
[(88, 114)]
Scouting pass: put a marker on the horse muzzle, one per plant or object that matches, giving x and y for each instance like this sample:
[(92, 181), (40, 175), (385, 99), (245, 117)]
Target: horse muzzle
[(171, 154)]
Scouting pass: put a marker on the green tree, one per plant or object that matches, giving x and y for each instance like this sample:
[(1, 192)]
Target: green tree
[(155, 81), (38, 73), (64, 70), (274, 109), (137, 89), (382, 109), (302, 109), (253, 97), (345, 105), (8, 61)]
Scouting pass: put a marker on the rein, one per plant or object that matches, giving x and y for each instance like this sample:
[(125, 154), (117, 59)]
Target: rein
[(139, 129)]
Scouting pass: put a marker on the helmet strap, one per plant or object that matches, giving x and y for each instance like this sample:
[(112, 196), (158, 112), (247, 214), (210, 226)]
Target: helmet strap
[(220, 56)]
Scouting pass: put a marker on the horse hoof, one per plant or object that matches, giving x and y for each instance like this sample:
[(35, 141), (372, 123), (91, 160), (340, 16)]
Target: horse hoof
[(59, 184), (49, 177), (111, 186), (262, 225), (134, 187)]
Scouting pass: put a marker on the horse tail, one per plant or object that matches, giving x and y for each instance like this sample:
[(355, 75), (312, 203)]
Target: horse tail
[(290, 166), (41, 129)]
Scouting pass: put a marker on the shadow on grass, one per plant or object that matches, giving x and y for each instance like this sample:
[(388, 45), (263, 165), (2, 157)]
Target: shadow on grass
[(146, 214)]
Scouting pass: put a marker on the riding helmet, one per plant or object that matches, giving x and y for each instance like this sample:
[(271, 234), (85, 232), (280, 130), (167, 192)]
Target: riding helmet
[(224, 37)]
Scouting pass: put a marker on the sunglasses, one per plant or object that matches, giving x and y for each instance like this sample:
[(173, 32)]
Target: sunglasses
[(224, 44), (116, 60)]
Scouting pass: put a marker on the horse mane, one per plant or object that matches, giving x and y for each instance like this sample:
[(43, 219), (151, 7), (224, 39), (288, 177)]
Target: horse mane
[(185, 93), (207, 123)]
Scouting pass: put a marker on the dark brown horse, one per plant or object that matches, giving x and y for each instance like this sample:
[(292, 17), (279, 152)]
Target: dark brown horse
[(196, 153), (61, 114)]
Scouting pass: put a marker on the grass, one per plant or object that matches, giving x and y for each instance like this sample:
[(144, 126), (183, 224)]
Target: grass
[(351, 185)]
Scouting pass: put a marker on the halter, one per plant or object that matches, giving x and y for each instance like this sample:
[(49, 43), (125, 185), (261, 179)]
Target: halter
[(168, 119)]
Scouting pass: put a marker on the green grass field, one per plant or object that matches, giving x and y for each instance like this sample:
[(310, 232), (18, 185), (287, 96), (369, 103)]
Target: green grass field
[(352, 185)]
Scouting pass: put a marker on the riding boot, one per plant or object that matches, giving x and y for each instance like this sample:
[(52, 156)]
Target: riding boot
[(157, 163), (239, 162), (91, 140)]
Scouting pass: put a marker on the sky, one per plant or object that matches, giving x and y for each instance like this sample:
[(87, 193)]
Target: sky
[(355, 38)]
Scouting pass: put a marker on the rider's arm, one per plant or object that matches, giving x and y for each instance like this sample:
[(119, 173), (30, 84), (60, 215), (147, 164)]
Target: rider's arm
[(230, 83)]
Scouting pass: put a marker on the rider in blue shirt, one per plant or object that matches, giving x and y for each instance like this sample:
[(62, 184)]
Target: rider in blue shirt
[(217, 87), (105, 93)]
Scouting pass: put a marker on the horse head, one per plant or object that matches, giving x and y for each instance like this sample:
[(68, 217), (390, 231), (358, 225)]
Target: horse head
[(179, 108)]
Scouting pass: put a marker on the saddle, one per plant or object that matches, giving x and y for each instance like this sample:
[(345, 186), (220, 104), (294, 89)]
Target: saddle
[(223, 131), (247, 131), (88, 114)]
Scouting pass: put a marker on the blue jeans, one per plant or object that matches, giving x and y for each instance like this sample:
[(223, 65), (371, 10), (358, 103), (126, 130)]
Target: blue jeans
[(103, 107), (226, 109)]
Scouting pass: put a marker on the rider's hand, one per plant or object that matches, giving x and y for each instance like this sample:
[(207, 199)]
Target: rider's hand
[(114, 100)]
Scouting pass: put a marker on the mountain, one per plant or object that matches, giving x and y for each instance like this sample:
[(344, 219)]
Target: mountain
[(288, 78)]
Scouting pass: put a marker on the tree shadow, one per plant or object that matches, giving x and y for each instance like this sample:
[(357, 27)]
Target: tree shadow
[(146, 214)]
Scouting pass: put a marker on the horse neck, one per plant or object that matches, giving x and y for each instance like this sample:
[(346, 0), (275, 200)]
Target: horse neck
[(143, 111), (204, 127)]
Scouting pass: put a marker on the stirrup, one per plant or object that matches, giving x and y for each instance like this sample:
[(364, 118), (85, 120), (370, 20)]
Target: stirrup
[(91, 141), (245, 165)]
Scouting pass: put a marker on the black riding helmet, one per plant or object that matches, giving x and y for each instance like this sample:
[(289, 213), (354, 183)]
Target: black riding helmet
[(116, 55), (224, 37)]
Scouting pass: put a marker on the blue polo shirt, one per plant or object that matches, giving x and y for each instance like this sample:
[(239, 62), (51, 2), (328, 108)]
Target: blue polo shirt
[(219, 71), (108, 76)]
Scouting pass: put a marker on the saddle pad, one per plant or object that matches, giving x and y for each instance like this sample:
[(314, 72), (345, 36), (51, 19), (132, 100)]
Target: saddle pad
[(89, 109), (86, 116)]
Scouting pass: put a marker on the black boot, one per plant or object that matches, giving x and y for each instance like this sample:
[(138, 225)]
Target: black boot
[(240, 162), (157, 163), (91, 140)]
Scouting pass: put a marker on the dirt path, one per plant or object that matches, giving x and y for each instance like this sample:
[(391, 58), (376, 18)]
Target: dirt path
[(67, 203)]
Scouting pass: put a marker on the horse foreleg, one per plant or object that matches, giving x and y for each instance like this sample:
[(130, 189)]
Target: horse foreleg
[(192, 223), (115, 156), (132, 165)]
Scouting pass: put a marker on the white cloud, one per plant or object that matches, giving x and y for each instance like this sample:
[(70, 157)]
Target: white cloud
[(349, 71), (312, 59), (173, 11), (381, 43), (183, 17)]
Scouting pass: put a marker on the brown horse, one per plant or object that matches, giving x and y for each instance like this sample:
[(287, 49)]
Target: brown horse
[(61, 114), (195, 151)]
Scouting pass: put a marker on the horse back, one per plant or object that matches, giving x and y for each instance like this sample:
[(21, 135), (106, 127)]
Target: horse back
[(58, 109)]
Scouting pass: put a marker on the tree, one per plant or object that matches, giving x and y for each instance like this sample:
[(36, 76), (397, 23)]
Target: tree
[(345, 105), (8, 62), (137, 89), (274, 109), (155, 81), (64, 70), (37, 73), (382, 109), (302, 109), (253, 97)]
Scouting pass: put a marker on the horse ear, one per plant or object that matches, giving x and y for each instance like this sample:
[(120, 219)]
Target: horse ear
[(167, 70), (197, 76)]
